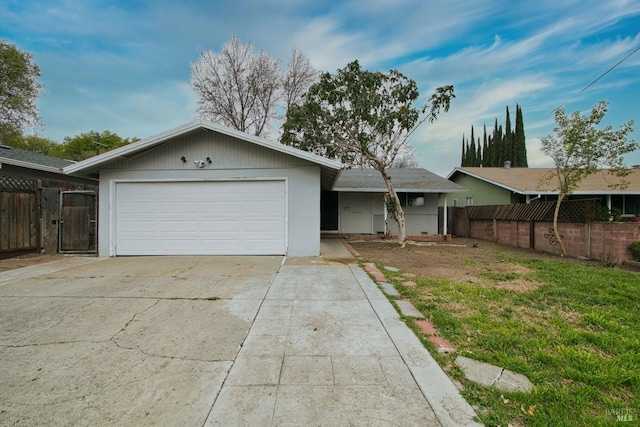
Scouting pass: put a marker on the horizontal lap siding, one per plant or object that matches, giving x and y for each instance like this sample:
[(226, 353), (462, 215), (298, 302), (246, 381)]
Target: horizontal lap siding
[(225, 152)]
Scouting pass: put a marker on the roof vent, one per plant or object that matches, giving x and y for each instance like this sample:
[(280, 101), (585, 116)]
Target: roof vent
[(507, 164)]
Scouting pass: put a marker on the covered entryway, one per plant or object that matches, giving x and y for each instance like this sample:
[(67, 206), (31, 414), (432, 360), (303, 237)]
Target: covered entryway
[(356, 214), (200, 218)]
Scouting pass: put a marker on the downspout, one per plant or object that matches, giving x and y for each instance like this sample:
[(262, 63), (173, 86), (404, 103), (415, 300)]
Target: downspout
[(529, 200)]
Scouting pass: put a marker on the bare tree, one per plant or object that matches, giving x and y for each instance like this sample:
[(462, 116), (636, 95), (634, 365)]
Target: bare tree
[(243, 89), (299, 77), (406, 158)]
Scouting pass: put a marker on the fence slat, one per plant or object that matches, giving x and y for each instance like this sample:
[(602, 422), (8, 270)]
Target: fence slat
[(18, 230)]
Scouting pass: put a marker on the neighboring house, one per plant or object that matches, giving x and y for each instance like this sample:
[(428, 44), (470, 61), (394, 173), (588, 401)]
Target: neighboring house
[(356, 204), (209, 190), (30, 194), (499, 186)]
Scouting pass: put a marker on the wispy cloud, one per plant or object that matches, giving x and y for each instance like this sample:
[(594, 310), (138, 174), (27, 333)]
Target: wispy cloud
[(126, 65)]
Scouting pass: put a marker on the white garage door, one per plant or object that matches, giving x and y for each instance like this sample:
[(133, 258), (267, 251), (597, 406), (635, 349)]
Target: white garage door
[(200, 218)]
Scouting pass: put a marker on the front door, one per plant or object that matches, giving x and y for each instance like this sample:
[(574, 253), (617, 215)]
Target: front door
[(355, 213)]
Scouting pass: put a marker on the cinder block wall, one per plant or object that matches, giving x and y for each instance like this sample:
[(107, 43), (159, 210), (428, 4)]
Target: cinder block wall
[(592, 240), (607, 237)]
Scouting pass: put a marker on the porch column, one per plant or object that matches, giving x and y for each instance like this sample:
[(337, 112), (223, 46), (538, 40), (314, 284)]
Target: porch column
[(446, 217)]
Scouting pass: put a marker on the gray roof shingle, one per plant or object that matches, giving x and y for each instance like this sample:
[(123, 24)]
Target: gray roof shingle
[(410, 180), (12, 155)]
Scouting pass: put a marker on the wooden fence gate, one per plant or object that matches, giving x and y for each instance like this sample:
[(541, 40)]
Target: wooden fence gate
[(78, 222), (19, 219)]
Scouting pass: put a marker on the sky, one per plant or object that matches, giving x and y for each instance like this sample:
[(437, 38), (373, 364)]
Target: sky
[(125, 65)]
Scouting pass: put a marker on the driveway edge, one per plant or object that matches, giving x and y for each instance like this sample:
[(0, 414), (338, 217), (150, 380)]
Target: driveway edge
[(450, 407)]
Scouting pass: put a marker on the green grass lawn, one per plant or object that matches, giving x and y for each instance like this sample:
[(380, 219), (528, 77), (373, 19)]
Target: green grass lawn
[(574, 330)]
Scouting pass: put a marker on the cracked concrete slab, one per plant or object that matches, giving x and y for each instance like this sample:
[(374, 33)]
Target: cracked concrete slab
[(97, 383), (126, 341), (490, 375), (213, 341)]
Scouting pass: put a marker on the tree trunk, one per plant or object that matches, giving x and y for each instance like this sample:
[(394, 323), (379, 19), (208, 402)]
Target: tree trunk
[(555, 225), (396, 208)]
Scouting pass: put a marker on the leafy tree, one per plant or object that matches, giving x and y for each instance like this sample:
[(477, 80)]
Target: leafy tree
[(580, 149), (89, 144), (36, 144), (19, 90), (363, 118), (242, 89)]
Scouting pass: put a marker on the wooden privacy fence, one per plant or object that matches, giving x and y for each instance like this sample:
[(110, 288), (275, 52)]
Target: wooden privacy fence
[(19, 219)]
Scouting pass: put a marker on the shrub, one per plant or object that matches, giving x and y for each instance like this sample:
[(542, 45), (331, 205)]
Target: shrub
[(610, 259), (635, 250)]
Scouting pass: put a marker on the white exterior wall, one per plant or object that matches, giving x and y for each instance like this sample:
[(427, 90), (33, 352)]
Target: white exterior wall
[(419, 220), (231, 159), (303, 201)]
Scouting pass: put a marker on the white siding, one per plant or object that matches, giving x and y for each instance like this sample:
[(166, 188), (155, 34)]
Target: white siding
[(418, 220), (232, 159), (225, 152)]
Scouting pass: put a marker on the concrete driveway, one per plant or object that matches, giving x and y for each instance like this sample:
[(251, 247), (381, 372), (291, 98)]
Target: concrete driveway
[(212, 341)]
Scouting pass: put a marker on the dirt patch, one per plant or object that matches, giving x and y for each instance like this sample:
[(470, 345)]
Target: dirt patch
[(461, 260), (27, 260)]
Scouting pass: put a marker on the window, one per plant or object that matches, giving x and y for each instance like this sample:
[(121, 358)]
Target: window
[(415, 199), (455, 203), (468, 201), (411, 199)]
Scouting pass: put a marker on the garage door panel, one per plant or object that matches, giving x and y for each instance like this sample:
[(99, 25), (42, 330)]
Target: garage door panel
[(172, 218)]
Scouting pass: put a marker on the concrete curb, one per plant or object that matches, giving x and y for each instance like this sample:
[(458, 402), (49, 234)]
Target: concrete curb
[(444, 398)]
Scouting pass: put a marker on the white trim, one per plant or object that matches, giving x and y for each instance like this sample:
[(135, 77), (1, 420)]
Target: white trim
[(399, 190), (29, 165), (113, 198), (497, 184), (541, 192)]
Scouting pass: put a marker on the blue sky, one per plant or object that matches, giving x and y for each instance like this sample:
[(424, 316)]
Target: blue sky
[(124, 66)]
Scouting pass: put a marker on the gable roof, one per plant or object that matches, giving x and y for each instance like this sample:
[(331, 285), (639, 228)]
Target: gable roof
[(32, 160), (405, 180), (330, 168), (527, 180)]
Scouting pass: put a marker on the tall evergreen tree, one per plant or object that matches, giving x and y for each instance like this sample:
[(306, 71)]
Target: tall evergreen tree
[(508, 139), (501, 145), (519, 140), (485, 147), (472, 150)]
